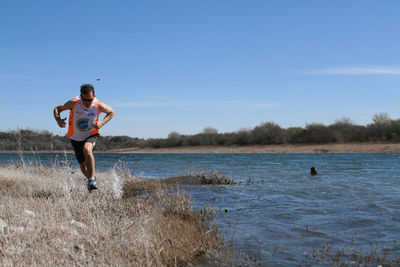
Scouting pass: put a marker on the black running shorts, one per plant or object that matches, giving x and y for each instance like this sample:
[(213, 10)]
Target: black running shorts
[(78, 147)]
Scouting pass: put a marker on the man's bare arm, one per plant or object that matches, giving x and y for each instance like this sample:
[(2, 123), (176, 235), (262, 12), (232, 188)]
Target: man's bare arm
[(109, 114), (57, 110)]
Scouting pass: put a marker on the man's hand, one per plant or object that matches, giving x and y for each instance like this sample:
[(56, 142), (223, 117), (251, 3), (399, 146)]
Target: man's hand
[(61, 122), (98, 124), (57, 110)]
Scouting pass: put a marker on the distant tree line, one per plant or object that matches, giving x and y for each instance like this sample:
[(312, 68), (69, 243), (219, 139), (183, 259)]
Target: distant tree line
[(382, 129), (31, 140)]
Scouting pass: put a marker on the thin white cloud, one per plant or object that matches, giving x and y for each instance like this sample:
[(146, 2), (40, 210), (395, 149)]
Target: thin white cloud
[(225, 104), (266, 105), (139, 118), (243, 105), (14, 76), (370, 70), (147, 104)]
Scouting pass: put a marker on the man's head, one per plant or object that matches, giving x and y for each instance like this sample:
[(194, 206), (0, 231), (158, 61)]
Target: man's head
[(87, 94), (86, 89)]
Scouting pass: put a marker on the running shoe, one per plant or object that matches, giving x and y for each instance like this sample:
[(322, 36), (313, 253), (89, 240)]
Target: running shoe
[(92, 184)]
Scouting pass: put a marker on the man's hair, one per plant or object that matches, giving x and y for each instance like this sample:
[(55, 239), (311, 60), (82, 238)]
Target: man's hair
[(87, 88)]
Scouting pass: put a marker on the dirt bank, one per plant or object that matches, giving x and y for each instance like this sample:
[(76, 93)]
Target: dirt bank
[(324, 148)]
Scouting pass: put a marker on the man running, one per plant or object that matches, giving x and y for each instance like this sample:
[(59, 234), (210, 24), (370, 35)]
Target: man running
[(83, 128)]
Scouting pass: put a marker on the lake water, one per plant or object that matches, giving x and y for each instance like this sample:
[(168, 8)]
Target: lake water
[(278, 212)]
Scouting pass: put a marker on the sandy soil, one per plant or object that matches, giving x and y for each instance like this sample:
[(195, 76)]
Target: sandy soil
[(327, 148)]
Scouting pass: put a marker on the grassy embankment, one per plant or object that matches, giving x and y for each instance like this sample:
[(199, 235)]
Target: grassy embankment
[(47, 217)]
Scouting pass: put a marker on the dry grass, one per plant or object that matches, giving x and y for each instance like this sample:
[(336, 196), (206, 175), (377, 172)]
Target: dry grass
[(211, 178), (326, 256), (47, 217)]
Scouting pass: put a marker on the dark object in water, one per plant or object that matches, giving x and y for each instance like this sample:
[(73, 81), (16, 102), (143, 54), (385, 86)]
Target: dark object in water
[(313, 170)]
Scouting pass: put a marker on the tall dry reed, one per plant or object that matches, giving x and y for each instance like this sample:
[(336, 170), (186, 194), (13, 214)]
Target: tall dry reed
[(47, 218)]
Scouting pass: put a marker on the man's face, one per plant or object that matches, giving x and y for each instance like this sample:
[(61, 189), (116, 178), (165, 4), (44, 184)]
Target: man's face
[(87, 99)]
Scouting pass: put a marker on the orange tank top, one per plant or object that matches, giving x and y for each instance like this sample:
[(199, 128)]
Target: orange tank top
[(81, 119)]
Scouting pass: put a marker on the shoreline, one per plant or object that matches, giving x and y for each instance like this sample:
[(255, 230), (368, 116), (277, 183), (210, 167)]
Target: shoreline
[(367, 148)]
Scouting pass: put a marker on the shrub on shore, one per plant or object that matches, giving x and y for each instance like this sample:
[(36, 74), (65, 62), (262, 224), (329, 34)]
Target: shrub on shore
[(212, 178), (47, 217)]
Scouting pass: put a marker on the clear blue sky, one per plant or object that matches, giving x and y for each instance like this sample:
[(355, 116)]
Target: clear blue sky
[(186, 65)]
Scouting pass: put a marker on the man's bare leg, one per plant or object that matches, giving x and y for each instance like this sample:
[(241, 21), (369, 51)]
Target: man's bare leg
[(88, 166), (84, 170)]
